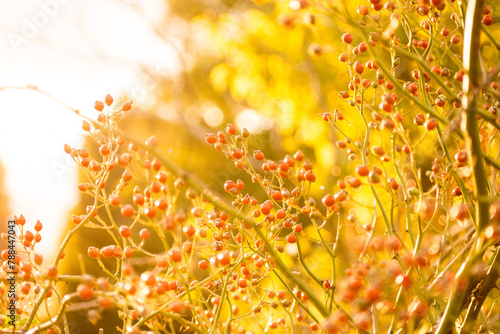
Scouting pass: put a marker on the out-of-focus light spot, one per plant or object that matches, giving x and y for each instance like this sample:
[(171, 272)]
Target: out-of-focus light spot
[(254, 122), (168, 112), (434, 249), (213, 116), (294, 5), (192, 115), (291, 249), (336, 171), (411, 184)]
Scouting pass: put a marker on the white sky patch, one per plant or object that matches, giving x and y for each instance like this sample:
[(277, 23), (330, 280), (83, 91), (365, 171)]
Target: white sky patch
[(78, 51)]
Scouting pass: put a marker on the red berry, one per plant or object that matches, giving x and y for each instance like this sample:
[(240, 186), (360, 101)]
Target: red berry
[(362, 10), (85, 292), (203, 264), (394, 244), (104, 150), (258, 155), (127, 210), (175, 255), (29, 236), (52, 272), (362, 170), (150, 212), (38, 226), (144, 234), (125, 231), (236, 154), (114, 200), (231, 129), (487, 20), (328, 200), (211, 138), (431, 124), (461, 156), (347, 38), (359, 67)]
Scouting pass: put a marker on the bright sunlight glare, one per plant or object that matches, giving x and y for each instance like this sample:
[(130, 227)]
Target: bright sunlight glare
[(77, 53)]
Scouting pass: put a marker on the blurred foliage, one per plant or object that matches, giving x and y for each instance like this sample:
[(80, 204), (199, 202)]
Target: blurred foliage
[(275, 70)]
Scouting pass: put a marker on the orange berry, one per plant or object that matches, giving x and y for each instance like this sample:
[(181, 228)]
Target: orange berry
[(344, 57), (38, 226), (224, 258), (292, 238), (211, 138), (258, 155), (151, 141), (85, 292), (114, 200), (347, 38), (104, 302), (176, 306), (309, 176), (156, 164), (362, 170), (108, 99), (280, 214), (150, 212), (52, 272), (373, 294), (125, 231), (461, 156), (299, 156), (175, 255), (403, 280), (487, 20), (29, 236), (393, 183), (76, 219), (359, 67), (126, 106), (203, 264), (98, 105), (354, 182), (144, 234), (128, 252), (237, 154), (328, 200), (363, 47), (242, 283), (431, 124), (104, 150), (362, 10), (394, 244), (340, 195), (85, 126), (127, 210), (107, 251), (231, 129)]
